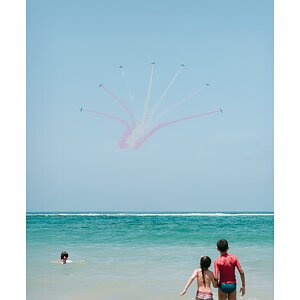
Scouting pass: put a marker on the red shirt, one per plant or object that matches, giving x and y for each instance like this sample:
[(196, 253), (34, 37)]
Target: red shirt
[(224, 268)]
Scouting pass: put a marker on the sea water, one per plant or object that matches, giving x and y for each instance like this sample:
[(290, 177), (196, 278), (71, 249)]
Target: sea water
[(133, 256)]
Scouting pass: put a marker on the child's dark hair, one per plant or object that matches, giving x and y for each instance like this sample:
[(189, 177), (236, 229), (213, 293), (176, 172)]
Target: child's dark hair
[(205, 262), (64, 253), (222, 245)]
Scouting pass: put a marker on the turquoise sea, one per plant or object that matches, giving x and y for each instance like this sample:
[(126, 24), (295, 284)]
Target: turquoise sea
[(133, 256)]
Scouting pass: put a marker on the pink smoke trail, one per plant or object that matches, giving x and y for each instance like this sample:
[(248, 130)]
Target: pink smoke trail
[(121, 103), (108, 116), (122, 142), (165, 124)]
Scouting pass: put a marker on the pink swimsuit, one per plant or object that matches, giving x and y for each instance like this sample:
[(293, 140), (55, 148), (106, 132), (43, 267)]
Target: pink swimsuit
[(204, 295)]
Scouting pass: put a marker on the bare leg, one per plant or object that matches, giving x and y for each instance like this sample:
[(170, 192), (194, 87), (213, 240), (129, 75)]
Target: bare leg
[(232, 296), (221, 295)]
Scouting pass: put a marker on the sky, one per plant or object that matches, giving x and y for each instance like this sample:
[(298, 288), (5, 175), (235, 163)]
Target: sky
[(221, 162)]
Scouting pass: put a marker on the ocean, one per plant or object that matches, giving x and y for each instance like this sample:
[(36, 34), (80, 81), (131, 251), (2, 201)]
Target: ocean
[(135, 256)]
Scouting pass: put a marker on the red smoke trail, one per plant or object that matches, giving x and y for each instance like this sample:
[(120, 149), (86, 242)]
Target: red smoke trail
[(161, 125), (109, 116), (121, 103)]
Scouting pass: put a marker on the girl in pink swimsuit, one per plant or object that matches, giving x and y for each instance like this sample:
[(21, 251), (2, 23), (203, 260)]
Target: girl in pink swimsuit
[(204, 279)]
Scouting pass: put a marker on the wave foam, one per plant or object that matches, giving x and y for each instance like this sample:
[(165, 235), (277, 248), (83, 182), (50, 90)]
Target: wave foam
[(123, 214)]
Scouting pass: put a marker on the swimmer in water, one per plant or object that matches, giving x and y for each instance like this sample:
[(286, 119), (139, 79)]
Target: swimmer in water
[(64, 257)]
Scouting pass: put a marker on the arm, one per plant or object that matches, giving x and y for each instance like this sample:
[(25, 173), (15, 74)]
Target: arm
[(190, 280), (242, 274), (214, 280), (216, 271), (243, 288)]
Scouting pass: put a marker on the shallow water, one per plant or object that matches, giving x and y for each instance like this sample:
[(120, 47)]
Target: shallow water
[(148, 256)]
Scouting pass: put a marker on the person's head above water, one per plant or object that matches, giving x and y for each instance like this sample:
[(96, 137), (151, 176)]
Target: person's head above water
[(64, 256), (222, 245)]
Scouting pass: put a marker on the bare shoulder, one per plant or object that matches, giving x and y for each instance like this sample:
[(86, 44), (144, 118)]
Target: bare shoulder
[(197, 271)]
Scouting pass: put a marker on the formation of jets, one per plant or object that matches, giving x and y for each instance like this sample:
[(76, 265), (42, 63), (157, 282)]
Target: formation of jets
[(153, 63)]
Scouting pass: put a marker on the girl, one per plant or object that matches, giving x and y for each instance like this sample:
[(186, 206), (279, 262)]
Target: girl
[(204, 279)]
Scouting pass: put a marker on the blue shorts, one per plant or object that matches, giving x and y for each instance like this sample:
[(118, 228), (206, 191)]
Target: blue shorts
[(227, 287)]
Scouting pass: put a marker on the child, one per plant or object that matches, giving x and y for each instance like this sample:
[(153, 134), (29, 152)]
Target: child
[(64, 257), (224, 269), (204, 279)]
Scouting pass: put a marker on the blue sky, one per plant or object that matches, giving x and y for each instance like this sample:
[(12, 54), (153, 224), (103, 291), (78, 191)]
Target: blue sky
[(220, 162)]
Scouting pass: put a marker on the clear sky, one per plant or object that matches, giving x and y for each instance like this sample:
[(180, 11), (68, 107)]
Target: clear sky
[(216, 163)]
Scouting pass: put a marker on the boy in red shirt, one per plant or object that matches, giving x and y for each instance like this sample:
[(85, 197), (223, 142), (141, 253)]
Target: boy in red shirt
[(224, 271)]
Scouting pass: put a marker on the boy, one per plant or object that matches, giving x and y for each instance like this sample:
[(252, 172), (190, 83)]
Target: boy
[(224, 269)]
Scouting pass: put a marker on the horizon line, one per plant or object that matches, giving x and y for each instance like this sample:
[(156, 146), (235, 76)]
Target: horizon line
[(152, 212)]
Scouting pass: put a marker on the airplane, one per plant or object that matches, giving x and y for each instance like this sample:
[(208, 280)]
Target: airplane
[(153, 63), (81, 109), (100, 84), (207, 83), (221, 110), (182, 65), (120, 67)]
